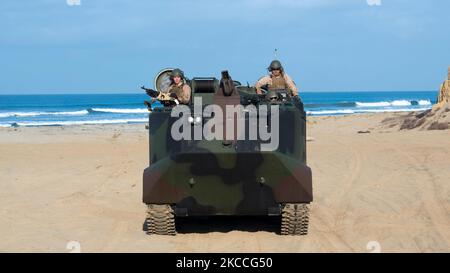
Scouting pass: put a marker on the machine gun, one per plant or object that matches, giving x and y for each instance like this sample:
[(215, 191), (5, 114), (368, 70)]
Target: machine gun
[(152, 93), (167, 99), (251, 98)]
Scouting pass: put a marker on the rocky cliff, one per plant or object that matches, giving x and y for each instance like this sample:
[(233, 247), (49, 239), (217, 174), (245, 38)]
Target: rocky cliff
[(444, 92), (437, 118)]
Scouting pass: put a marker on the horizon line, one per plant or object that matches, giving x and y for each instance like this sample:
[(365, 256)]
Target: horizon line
[(135, 93)]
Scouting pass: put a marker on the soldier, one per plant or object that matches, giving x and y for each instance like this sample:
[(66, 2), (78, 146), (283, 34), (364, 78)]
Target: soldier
[(277, 79), (179, 89)]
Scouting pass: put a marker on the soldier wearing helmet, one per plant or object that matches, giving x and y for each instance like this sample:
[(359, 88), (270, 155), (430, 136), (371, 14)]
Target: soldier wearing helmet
[(277, 80), (179, 89)]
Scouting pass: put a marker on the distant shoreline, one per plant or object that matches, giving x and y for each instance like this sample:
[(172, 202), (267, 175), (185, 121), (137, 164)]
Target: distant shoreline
[(141, 93), (141, 123), (76, 109)]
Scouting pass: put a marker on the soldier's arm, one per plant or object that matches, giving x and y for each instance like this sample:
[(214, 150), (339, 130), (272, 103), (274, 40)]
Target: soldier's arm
[(261, 82), (291, 85), (186, 94)]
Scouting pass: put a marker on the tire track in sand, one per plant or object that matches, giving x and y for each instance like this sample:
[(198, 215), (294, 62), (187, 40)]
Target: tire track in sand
[(332, 235), (438, 214)]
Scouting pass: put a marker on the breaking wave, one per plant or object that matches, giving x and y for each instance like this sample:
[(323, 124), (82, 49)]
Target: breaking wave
[(393, 103), (340, 112), (74, 113), (72, 122), (424, 102), (34, 114), (119, 110)]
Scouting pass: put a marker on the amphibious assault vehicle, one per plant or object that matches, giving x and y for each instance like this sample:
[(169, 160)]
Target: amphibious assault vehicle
[(235, 173)]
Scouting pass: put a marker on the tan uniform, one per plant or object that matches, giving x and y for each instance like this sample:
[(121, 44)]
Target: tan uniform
[(281, 82), (183, 92)]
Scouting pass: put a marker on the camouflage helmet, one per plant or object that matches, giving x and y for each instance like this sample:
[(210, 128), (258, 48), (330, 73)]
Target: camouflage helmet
[(274, 65), (177, 72)]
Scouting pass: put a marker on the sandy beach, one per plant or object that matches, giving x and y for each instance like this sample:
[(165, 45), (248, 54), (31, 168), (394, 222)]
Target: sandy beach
[(83, 183)]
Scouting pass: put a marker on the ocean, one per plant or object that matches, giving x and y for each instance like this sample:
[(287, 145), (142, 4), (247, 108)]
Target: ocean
[(71, 109)]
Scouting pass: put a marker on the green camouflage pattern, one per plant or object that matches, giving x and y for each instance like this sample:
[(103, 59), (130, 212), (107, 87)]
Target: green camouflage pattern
[(201, 177)]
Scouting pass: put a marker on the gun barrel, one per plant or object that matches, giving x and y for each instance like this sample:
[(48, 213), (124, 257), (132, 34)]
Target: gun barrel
[(152, 93)]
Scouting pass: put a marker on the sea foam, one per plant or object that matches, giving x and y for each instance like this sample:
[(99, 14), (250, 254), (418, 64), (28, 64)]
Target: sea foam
[(121, 111), (356, 111), (34, 114), (73, 122), (395, 103), (373, 104)]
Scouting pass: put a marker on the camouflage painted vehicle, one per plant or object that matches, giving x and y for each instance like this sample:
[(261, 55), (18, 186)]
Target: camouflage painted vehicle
[(227, 177)]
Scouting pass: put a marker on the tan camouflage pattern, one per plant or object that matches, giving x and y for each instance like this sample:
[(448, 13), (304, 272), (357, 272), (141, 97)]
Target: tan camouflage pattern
[(284, 81), (183, 92)]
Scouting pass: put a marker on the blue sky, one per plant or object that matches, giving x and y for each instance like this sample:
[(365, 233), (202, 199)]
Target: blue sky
[(48, 46)]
